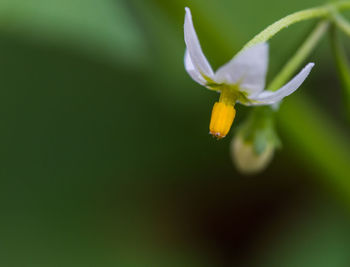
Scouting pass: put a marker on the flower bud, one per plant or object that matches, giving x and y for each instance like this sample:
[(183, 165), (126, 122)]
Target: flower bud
[(254, 144), (245, 157)]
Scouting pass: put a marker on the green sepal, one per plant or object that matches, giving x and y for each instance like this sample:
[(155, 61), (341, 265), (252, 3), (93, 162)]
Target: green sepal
[(259, 129)]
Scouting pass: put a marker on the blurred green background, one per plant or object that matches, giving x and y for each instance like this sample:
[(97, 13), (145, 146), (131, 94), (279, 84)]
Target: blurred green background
[(105, 154)]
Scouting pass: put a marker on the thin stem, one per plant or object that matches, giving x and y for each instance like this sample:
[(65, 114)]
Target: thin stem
[(342, 5), (269, 32), (342, 23), (312, 13), (302, 53), (343, 66)]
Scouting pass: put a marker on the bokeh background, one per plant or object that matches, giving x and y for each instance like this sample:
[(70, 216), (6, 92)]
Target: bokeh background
[(105, 157)]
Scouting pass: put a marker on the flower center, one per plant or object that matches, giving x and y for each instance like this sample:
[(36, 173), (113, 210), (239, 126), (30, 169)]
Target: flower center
[(223, 113)]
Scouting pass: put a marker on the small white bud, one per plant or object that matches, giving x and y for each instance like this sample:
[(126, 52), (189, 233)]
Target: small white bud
[(246, 159)]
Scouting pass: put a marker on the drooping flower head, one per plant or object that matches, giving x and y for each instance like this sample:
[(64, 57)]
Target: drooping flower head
[(240, 80)]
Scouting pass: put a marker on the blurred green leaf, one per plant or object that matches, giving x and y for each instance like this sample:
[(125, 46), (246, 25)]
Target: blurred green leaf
[(316, 237), (103, 28), (317, 141)]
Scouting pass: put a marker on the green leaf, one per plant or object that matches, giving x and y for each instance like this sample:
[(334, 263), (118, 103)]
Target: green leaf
[(103, 28), (317, 142)]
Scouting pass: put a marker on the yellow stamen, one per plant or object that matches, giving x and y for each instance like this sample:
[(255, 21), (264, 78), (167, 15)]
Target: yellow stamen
[(221, 119)]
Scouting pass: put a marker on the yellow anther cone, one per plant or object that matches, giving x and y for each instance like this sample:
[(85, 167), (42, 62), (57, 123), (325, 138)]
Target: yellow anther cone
[(221, 119)]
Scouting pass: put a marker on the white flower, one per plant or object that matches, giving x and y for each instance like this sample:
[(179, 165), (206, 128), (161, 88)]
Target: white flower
[(240, 80)]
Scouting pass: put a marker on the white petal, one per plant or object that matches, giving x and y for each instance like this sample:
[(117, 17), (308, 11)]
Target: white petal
[(248, 69), (268, 97), (199, 62), (192, 71)]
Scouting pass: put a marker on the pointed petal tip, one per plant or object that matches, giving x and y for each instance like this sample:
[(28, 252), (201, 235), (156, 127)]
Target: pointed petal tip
[(264, 45), (267, 97), (188, 13), (308, 68), (197, 59)]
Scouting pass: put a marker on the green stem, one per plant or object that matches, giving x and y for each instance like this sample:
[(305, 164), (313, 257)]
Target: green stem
[(342, 23), (303, 52), (342, 5), (269, 32), (343, 66), (312, 13)]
